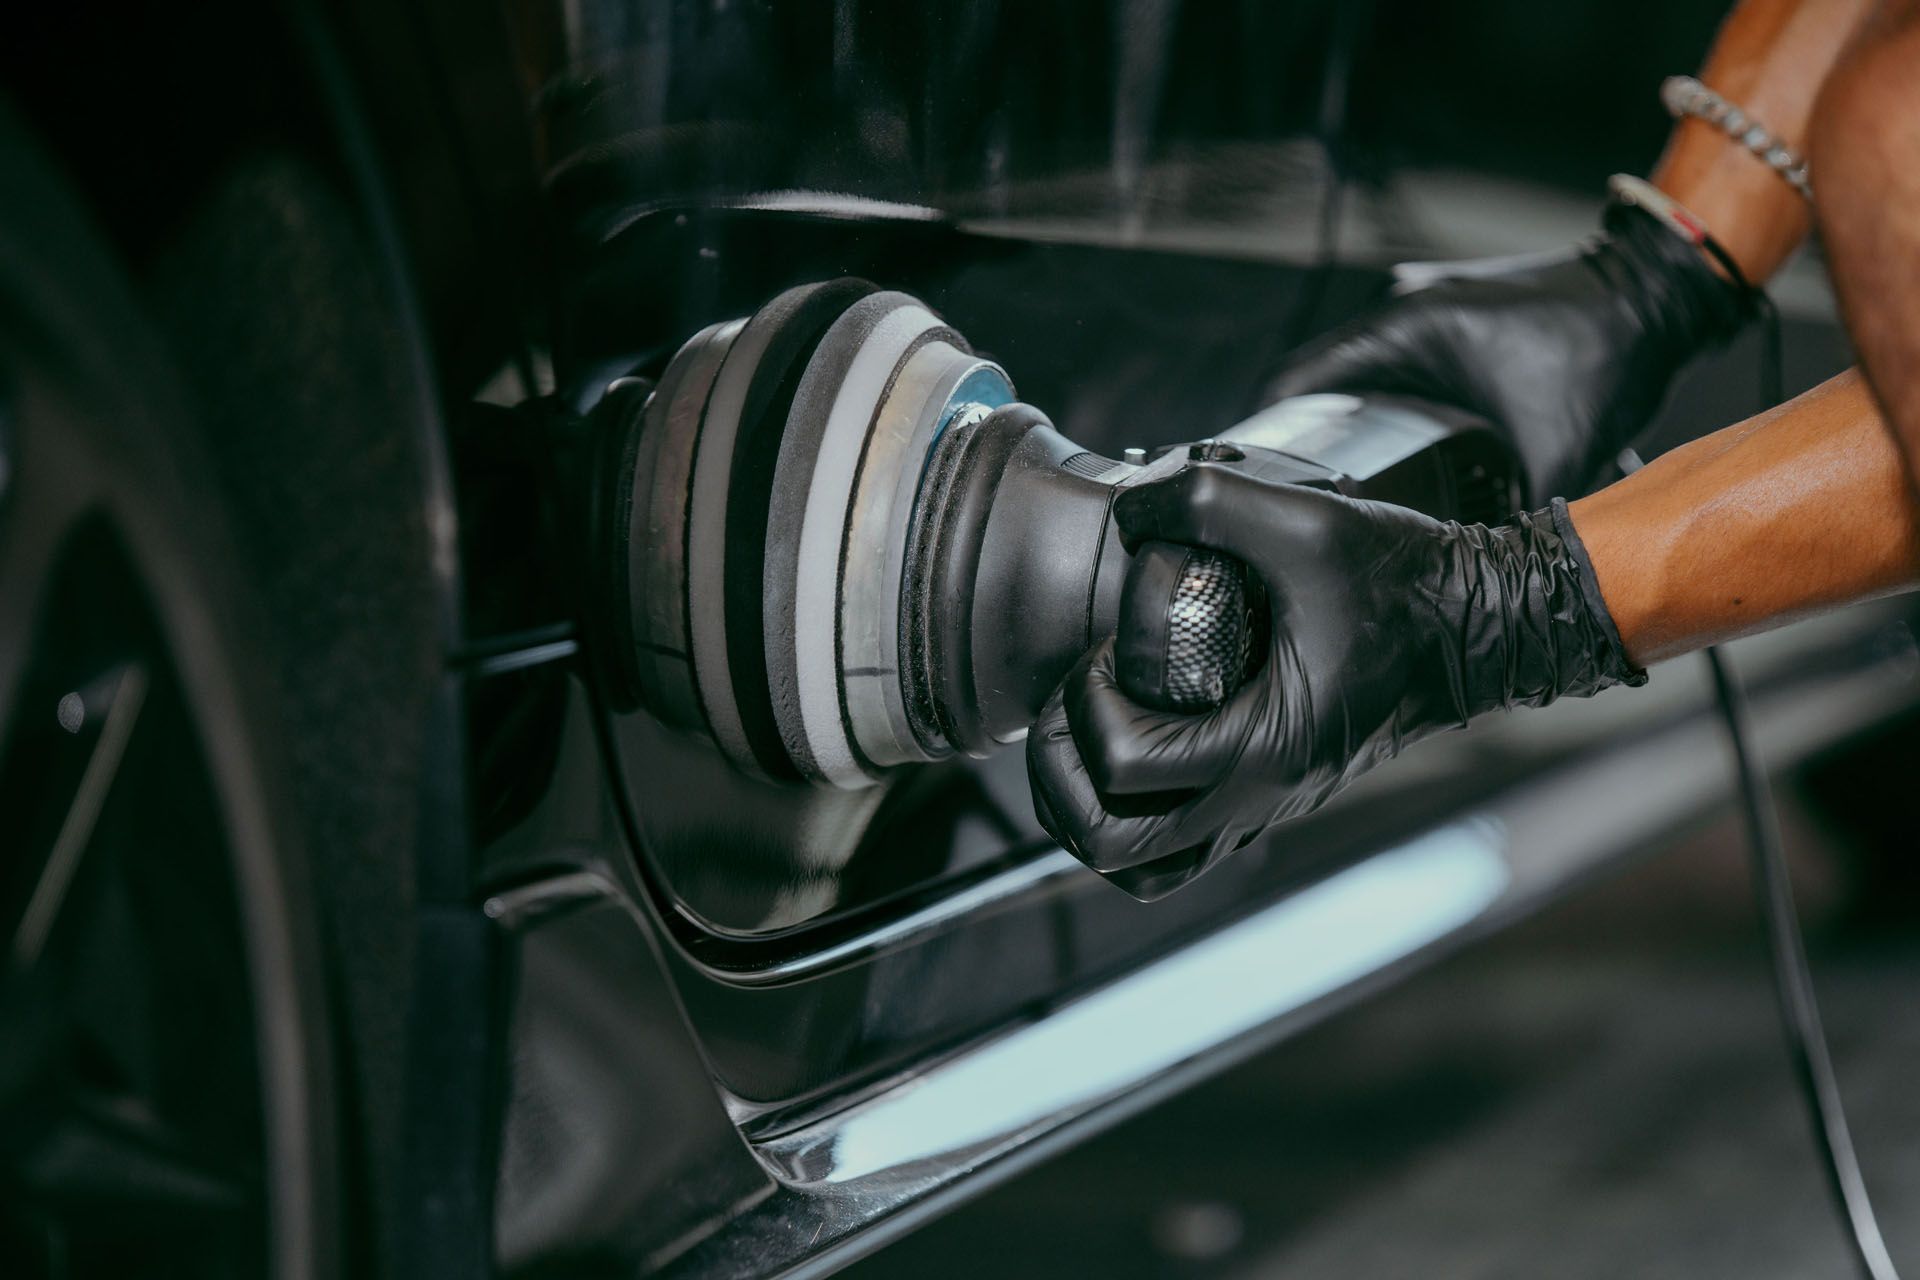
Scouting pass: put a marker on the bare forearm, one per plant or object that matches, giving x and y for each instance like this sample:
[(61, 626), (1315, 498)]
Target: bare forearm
[(1803, 508), (1771, 58), (1865, 144)]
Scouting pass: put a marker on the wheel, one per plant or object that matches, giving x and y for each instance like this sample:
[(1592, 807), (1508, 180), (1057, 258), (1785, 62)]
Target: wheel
[(166, 1063)]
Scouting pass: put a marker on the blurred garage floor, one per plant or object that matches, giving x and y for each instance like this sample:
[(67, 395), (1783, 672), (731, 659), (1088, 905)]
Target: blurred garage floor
[(1600, 1092)]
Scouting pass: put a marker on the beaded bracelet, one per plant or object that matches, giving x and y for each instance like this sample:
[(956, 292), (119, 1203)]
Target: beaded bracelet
[(1685, 96)]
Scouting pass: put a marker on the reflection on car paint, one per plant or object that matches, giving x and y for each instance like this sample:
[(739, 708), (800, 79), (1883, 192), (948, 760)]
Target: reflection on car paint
[(1309, 945)]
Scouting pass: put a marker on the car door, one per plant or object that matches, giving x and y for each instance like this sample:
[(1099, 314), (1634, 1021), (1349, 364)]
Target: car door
[(760, 1027)]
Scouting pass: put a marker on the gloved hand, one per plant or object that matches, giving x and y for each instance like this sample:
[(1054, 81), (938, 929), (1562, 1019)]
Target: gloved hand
[(1384, 626), (1570, 353)]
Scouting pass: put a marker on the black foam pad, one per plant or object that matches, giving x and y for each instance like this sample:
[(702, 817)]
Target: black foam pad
[(756, 453), (786, 576)]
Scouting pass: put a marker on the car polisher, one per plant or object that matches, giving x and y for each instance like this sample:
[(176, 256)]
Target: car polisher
[(833, 540)]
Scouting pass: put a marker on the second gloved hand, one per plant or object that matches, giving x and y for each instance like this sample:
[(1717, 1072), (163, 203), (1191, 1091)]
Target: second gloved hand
[(1384, 626), (1569, 353)]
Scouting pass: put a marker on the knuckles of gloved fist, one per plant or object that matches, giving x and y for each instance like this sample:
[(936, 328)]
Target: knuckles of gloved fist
[(1115, 831), (1384, 626), (1121, 784)]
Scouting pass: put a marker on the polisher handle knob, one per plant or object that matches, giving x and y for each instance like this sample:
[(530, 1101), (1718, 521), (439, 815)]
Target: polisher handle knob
[(1186, 628)]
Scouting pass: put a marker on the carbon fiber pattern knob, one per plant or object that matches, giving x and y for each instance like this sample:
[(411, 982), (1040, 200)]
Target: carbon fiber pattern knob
[(1186, 628), (1207, 635)]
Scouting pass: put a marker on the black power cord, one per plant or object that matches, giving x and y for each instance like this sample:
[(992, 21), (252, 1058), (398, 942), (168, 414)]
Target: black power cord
[(1793, 984), (1800, 1023), (1773, 889)]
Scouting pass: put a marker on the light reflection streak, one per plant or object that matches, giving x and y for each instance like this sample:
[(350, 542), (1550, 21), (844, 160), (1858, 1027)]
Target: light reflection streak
[(1320, 939)]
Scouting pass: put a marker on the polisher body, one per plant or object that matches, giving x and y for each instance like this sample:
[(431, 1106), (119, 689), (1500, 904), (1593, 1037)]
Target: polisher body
[(836, 543)]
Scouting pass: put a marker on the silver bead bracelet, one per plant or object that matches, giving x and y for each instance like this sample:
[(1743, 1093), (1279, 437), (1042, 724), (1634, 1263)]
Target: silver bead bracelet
[(1685, 96)]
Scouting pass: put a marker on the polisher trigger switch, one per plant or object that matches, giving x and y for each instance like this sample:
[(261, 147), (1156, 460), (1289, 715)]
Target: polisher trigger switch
[(1186, 628)]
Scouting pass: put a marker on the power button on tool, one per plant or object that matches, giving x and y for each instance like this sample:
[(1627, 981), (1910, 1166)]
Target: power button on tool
[(1213, 451)]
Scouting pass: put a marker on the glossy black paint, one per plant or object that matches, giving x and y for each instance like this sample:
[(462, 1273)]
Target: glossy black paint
[(711, 973), (825, 947), (796, 1030), (958, 106), (584, 1171)]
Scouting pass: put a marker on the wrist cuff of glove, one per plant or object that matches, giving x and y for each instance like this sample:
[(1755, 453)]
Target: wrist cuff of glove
[(1681, 293), (1616, 667)]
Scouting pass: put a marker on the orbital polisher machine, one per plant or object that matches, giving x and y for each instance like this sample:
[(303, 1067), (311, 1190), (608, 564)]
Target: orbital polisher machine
[(834, 541)]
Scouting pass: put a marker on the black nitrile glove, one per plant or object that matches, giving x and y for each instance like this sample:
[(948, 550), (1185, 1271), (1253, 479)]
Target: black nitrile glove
[(1385, 626), (1569, 353)]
